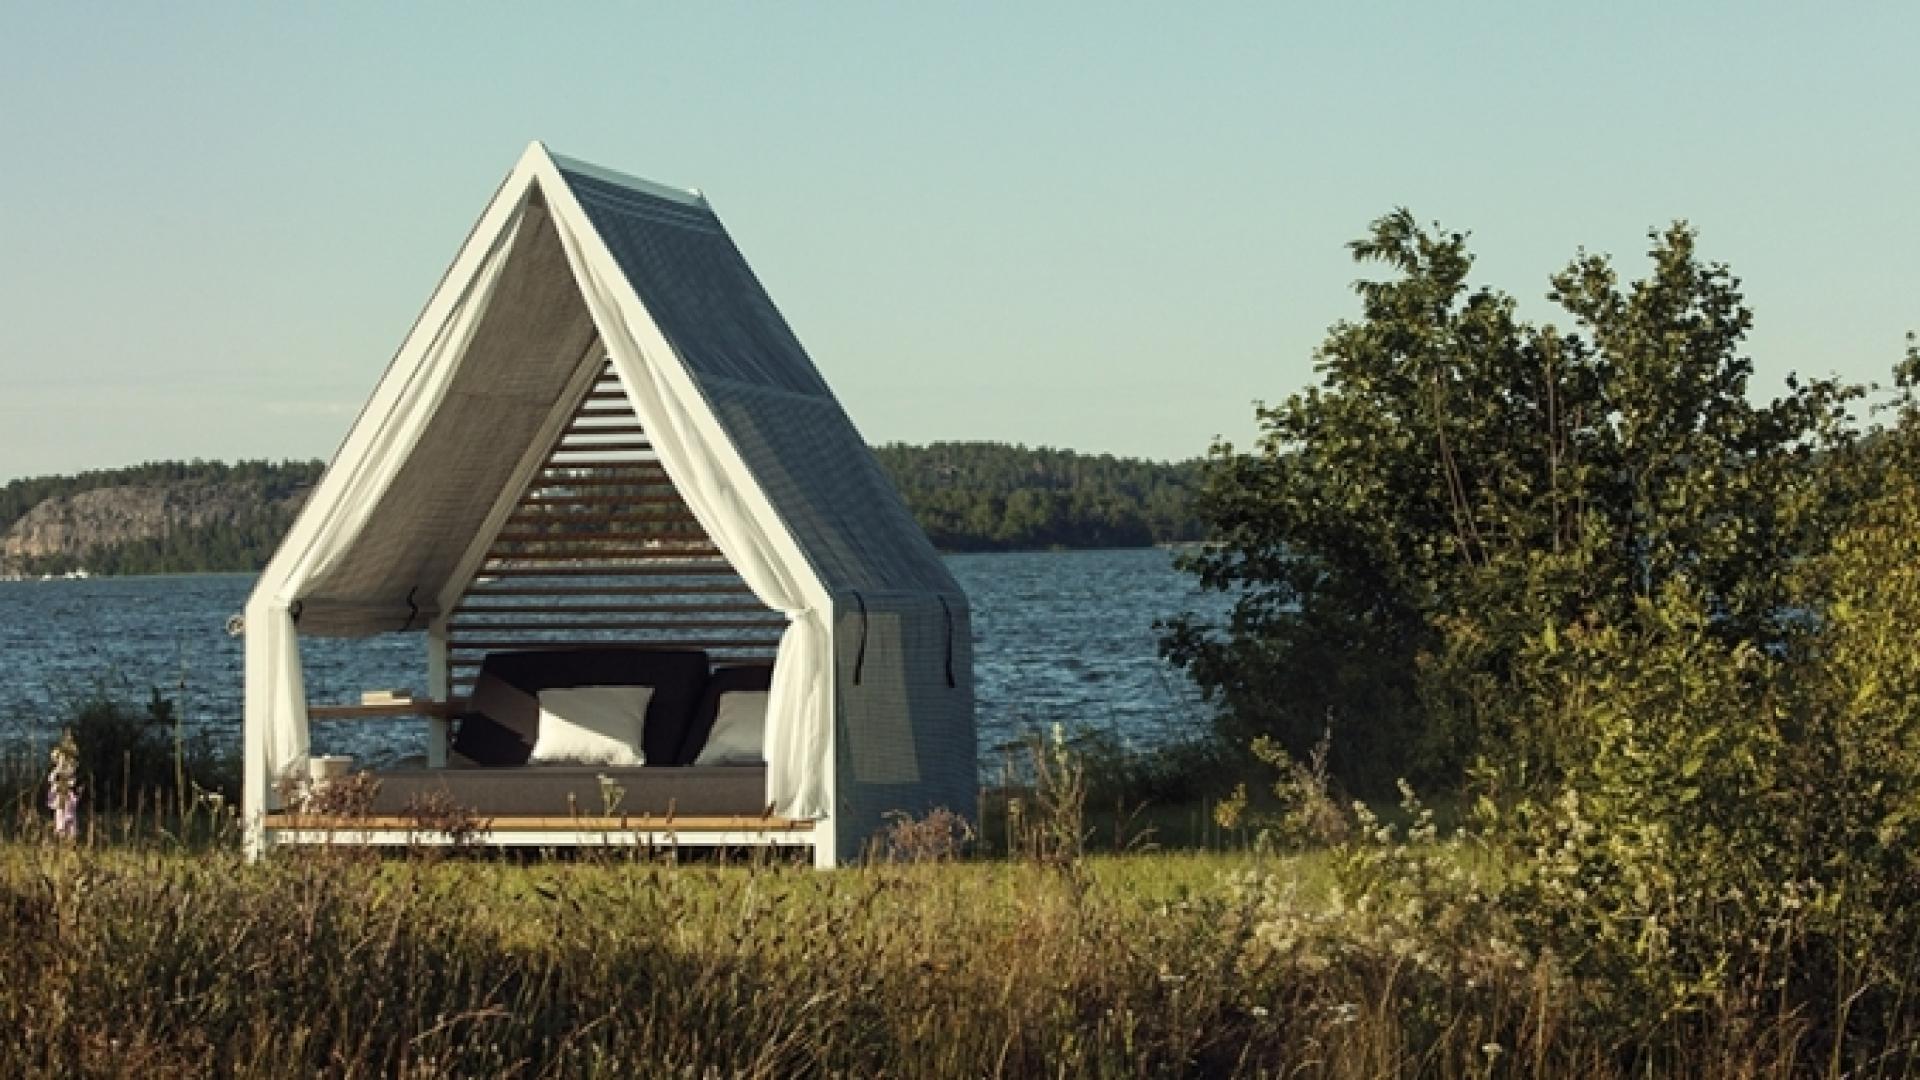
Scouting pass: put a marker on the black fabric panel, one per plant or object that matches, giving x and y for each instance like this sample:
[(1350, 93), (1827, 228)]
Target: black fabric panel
[(742, 677), (485, 741), (506, 704), (676, 675)]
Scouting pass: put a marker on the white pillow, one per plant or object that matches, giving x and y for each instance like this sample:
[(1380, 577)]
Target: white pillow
[(592, 725), (739, 728)]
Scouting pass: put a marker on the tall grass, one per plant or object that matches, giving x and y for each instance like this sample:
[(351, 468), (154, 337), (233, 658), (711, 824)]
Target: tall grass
[(148, 947), (153, 958)]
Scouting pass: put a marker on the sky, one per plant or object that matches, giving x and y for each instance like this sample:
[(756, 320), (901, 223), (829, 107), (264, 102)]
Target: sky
[(1108, 227)]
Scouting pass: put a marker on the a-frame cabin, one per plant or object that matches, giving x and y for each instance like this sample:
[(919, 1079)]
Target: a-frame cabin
[(602, 458)]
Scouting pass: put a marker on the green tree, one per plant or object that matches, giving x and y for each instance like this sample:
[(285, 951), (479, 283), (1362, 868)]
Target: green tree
[(984, 496), (1460, 479)]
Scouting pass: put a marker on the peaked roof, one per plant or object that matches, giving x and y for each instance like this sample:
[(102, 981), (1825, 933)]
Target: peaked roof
[(502, 352)]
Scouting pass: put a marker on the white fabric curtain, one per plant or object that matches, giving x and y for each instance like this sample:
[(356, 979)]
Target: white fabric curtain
[(338, 512), (716, 484)]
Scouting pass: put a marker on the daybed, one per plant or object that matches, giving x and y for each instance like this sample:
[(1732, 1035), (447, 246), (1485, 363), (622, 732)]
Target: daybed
[(491, 775)]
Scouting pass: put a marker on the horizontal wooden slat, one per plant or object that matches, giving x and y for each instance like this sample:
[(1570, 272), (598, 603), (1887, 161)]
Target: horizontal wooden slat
[(639, 467), (645, 475), (591, 411), (504, 644), (601, 447), (658, 486), (606, 463), (643, 515), (690, 589), (576, 553), (602, 429), (673, 536), (601, 500), (459, 627), (613, 570), (611, 609)]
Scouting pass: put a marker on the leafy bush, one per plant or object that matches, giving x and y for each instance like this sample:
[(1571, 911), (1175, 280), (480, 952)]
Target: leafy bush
[(1733, 822), (1461, 477)]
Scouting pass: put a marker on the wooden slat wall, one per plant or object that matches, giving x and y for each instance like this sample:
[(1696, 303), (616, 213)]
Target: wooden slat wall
[(600, 549)]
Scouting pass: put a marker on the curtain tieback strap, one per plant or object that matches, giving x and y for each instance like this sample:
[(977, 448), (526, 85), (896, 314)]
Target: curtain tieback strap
[(951, 681), (860, 657)]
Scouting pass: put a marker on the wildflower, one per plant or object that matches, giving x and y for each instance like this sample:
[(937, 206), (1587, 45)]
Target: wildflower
[(63, 788), (611, 795)]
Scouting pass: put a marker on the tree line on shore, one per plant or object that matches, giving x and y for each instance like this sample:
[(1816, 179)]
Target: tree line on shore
[(968, 496)]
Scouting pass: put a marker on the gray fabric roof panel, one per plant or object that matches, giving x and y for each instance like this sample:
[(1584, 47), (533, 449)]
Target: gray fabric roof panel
[(697, 286), (773, 404), (826, 485)]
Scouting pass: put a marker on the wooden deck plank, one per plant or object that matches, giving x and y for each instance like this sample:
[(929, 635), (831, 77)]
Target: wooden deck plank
[(505, 823)]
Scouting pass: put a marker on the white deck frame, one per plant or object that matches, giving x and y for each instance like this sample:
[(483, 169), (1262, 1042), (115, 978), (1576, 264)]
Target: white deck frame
[(659, 838)]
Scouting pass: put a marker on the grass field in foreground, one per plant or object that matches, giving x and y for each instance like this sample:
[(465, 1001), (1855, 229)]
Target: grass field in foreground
[(162, 959)]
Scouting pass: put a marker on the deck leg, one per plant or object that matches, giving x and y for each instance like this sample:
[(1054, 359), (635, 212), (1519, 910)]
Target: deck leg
[(440, 688), (825, 853), (437, 738)]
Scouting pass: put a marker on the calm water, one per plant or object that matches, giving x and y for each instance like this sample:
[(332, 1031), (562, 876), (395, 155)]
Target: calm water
[(1058, 637)]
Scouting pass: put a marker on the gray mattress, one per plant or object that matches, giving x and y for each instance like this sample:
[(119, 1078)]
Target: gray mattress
[(544, 790)]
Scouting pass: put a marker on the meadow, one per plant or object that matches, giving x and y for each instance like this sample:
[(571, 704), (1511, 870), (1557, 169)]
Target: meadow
[(1326, 942)]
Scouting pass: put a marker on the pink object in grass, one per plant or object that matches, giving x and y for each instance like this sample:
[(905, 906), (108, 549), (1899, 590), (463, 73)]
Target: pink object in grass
[(63, 788)]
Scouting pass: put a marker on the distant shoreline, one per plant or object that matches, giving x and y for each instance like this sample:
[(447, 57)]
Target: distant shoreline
[(191, 516), (57, 579)]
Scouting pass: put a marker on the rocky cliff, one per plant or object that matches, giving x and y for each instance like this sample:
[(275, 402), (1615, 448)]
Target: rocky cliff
[(69, 530)]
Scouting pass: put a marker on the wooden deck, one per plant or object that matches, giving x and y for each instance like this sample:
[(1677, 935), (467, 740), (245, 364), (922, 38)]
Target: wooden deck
[(625, 831)]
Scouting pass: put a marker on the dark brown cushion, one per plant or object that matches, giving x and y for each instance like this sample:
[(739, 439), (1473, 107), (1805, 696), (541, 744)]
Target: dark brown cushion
[(483, 741), (500, 725), (506, 704), (512, 682), (745, 678)]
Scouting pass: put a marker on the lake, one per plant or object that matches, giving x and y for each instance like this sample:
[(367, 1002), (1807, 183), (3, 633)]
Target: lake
[(1059, 637)]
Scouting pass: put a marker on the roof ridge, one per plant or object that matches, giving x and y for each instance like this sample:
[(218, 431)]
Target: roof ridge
[(685, 196)]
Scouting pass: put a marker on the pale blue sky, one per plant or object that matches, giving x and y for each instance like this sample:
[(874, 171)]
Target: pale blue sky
[(1108, 227)]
